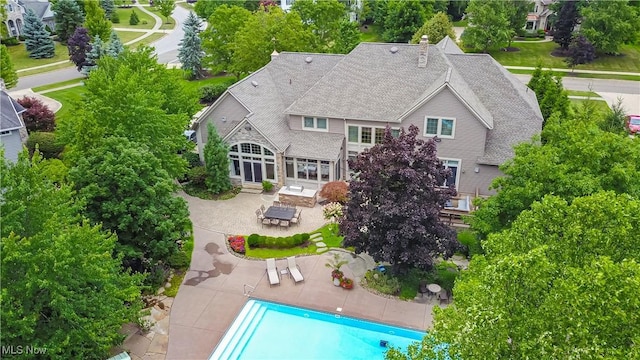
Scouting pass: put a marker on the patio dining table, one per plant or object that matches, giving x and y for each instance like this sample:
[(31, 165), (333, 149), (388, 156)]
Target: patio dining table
[(280, 213)]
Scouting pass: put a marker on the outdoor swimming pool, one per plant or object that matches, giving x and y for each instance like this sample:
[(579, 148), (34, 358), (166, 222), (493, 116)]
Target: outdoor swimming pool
[(266, 330)]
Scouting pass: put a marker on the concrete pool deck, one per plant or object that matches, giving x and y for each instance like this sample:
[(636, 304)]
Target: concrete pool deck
[(212, 293)]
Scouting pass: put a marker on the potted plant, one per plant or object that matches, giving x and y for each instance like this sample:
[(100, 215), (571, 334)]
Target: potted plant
[(335, 263), (346, 283)]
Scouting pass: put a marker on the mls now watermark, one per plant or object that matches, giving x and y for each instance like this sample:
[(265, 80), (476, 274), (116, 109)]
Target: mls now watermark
[(23, 350)]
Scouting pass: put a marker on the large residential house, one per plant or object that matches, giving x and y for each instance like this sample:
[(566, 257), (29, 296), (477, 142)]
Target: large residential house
[(298, 119), (13, 133), (17, 9), (539, 18)]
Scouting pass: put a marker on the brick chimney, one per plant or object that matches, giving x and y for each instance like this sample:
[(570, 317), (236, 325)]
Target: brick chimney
[(423, 51)]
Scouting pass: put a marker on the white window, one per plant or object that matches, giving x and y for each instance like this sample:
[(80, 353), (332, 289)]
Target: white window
[(7, 132), (454, 176), (368, 134), (316, 124), (441, 127)]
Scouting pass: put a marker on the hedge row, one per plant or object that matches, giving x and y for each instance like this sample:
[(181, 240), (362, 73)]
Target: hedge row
[(255, 240)]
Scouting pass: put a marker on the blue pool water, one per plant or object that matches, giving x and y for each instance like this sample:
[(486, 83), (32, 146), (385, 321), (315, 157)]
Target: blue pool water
[(266, 330)]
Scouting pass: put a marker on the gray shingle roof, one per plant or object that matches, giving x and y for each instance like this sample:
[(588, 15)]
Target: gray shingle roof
[(10, 112), (40, 7), (374, 83)]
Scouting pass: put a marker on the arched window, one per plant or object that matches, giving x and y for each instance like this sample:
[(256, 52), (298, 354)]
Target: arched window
[(252, 162)]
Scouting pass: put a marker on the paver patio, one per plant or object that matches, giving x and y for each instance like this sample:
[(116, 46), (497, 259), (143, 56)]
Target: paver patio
[(211, 295)]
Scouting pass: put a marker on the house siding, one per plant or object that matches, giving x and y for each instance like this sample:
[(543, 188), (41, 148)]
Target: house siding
[(12, 145), (335, 126), (228, 108), (468, 142)]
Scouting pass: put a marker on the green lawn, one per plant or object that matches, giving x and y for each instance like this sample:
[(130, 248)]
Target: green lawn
[(195, 85), (67, 97), (582, 93), (328, 236), (146, 21), (600, 108), (531, 54), (46, 69), (21, 59), (461, 23), (372, 33), (126, 36), (57, 85), (580, 75), (149, 39), (165, 25)]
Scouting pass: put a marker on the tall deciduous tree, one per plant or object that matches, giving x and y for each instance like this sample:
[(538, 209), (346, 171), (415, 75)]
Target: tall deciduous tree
[(577, 159), (61, 288), (166, 8), (205, 9), (79, 45), (4, 32), (348, 37), (95, 21), (95, 53), (216, 162), (190, 52), (218, 40), (38, 40), (68, 17), (517, 11), (403, 19), (609, 24), (129, 192), (489, 25), (133, 96), (436, 29), (264, 32), (394, 203), (322, 18), (114, 48), (7, 72), (568, 16), (538, 291), (551, 95), (580, 52)]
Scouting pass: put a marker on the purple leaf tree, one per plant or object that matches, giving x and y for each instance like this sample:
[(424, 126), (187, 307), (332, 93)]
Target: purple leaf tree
[(79, 44), (394, 202)]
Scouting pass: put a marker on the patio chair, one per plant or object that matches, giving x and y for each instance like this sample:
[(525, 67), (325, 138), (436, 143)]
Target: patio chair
[(444, 297), (294, 270), (275, 222), (259, 216), (262, 207), (266, 221), (277, 203), (284, 223), (272, 272), (296, 218)]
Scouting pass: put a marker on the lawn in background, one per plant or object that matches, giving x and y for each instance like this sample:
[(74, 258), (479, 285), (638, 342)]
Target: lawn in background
[(21, 59), (146, 21), (126, 36), (370, 33), (67, 97), (600, 108)]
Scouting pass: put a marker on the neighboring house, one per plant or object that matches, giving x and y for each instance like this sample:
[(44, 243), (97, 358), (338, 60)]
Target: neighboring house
[(540, 16), (16, 10), (13, 133), (298, 119)]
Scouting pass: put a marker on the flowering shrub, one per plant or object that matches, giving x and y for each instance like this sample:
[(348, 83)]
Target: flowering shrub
[(335, 191), (337, 274), (346, 283), (236, 242), (332, 211)]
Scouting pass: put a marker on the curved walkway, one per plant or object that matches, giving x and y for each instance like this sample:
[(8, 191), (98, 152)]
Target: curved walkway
[(211, 295)]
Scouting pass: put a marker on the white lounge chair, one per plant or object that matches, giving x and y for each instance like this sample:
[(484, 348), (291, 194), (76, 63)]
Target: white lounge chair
[(272, 272), (294, 270)]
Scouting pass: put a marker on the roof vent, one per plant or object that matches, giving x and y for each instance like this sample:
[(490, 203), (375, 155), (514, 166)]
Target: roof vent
[(394, 49), (308, 59), (254, 83)]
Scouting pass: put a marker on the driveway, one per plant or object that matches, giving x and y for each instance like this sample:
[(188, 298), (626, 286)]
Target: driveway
[(213, 291)]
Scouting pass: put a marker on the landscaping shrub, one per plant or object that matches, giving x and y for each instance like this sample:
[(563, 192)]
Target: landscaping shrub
[(38, 116), (193, 159), (541, 33), (115, 18), (12, 41), (335, 191), (156, 277), (47, 145), (253, 240), (197, 176), (305, 237), (134, 19), (471, 243), (179, 260), (267, 186), (382, 282), (446, 274), (237, 243), (210, 93)]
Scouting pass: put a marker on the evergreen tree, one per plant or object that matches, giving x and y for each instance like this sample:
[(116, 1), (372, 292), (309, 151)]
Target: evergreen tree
[(95, 21), (216, 160), (192, 21), (108, 6), (68, 17), (38, 41), (190, 52), (115, 18), (567, 19), (7, 73), (96, 51), (580, 51), (133, 18), (79, 45), (114, 48), (551, 95)]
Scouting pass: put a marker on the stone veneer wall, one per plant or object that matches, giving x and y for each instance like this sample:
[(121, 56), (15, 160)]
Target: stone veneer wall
[(298, 200)]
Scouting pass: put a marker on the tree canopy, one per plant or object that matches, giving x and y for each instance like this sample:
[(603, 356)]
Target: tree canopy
[(560, 283), (566, 19), (133, 97), (218, 40), (38, 41), (551, 95), (609, 24), (436, 29), (79, 45), (404, 18), (580, 51), (190, 51), (216, 161), (323, 18), (394, 203), (68, 17), (7, 72), (488, 25), (95, 21), (166, 7), (61, 288)]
